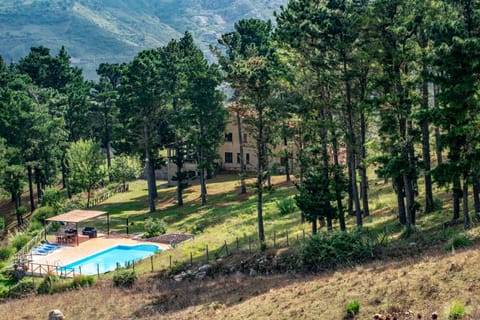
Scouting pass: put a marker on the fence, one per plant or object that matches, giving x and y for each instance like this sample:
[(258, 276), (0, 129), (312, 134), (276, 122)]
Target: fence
[(107, 194), (20, 256), (38, 269)]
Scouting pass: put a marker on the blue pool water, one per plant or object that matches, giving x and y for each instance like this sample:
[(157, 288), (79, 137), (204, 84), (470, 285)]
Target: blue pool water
[(108, 260)]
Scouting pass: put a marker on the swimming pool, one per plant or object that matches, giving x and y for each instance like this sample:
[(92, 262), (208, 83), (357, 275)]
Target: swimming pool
[(107, 260)]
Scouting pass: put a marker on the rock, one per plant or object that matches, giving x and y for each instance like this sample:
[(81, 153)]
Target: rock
[(179, 277), (201, 275), (205, 268), (253, 272), (55, 315), (412, 244)]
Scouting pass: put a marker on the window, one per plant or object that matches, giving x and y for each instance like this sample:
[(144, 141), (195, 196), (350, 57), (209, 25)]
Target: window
[(238, 158), (245, 138), (229, 137), (247, 157), (228, 157)]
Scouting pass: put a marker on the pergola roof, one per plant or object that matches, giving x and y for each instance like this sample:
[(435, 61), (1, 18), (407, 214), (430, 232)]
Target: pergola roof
[(76, 216)]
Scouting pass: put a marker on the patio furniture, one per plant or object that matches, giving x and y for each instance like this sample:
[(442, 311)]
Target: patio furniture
[(91, 232)]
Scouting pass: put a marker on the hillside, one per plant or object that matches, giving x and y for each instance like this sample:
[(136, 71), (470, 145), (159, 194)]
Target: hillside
[(96, 31)]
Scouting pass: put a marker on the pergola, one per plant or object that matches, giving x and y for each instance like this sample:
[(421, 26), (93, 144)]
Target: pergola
[(76, 216)]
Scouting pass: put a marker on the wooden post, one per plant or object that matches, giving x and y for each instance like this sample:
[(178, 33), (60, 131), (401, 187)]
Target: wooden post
[(151, 262), (98, 271), (127, 226), (275, 239), (80, 269), (238, 246), (170, 261), (191, 258), (249, 245), (287, 239), (226, 247), (206, 248)]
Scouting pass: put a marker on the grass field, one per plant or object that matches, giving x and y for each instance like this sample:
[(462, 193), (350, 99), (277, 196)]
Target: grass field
[(425, 283)]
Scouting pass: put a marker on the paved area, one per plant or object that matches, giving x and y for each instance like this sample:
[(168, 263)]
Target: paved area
[(68, 254)]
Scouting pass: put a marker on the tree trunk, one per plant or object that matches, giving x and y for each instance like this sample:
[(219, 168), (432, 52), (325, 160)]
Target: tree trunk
[(438, 145), (363, 166), (476, 197), (148, 170), (203, 187), (466, 216), (88, 198), (287, 160), (338, 193), (30, 189), (457, 192), (260, 170), (243, 185), (426, 151), (398, 186), (314, 226), (107, 146)]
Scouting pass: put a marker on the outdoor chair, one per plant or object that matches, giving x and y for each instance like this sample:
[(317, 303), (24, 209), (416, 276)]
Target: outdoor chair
[(91, 232)]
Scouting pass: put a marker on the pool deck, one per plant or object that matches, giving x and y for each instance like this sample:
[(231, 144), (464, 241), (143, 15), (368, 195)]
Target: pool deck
[(68, 254)]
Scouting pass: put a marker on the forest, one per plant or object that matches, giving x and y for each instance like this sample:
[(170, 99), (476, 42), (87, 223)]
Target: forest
[(395, 83)]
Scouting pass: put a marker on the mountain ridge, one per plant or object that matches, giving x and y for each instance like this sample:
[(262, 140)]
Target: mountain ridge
[(95, 31)]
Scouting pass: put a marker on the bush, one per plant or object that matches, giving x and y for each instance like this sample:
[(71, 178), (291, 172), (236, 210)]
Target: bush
[(42, 213), (53, 198), (334, 249), (47, 285), (457, 311), (286, 206), (21, 289), (353, 308), (81, 281), (3, 224), (458, 241), (154, 227), (19, 240), (5, 253), (21, 210), (124, 278)]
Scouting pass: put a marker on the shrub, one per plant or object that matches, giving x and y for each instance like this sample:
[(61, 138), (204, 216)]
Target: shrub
[(124, 278), (53, 198), (154, 227), (5, 253), (352, 308), (21, 210), (47, 285), (3, 224), (457, 311), (334, 249), (19, 240), (81, 281), (42, 213), (21, 289), (458, 241), (286, 206)]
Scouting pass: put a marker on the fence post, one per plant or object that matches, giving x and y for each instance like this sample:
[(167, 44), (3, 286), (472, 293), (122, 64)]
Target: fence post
[(275, 239), (303, 231), (133, 265), (238, 247), (226, 248), (191, 258), (98, 271), (170, 261), (249, 245), (206, 248), (127, 226), (151, 262), (287, 239)]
